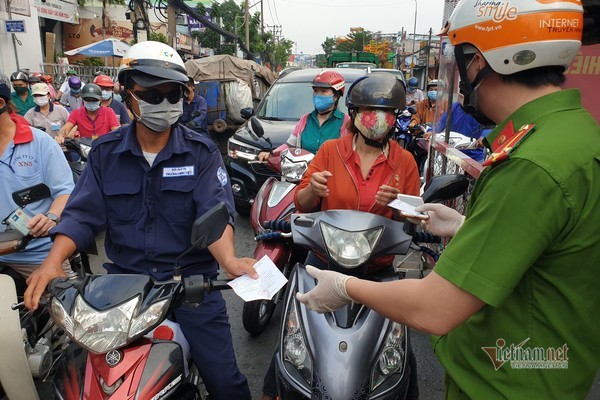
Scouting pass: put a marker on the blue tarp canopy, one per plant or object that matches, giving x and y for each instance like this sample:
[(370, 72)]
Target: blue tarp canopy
[(109, 47)]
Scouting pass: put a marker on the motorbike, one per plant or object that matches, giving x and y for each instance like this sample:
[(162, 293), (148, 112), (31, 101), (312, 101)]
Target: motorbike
[(269, 218), (402, 132), (108, 318), (39, 342), (353, 352)]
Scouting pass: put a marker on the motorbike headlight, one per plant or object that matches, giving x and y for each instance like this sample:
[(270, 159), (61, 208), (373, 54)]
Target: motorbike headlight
[(294, 350), (240, 150), (293, 166), (102, 331), (391, 358), (293, 170), (349, 249)]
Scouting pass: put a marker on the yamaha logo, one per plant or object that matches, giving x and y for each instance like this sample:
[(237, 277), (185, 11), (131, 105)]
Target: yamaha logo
[(297, 151), (113, 357)]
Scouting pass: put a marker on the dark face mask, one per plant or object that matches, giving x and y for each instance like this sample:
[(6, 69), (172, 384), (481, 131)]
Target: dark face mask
[(469, 89), (21, 89)]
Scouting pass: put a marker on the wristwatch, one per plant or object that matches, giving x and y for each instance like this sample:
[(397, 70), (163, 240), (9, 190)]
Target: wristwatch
[(52, 217)]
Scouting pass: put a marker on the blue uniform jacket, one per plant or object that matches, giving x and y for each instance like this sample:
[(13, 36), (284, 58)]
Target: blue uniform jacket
[(199, 104), (148, 211)]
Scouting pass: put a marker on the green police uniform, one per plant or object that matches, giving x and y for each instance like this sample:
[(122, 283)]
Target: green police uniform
[(530, 249)]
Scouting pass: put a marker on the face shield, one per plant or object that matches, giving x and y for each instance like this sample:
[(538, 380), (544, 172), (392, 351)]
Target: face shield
[(452, 114)]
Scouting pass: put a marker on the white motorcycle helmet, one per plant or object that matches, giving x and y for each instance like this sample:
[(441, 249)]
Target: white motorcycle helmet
[(151, 64), (518, 36)]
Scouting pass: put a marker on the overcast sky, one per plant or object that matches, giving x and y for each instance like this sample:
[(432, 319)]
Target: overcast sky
[(309, 22)]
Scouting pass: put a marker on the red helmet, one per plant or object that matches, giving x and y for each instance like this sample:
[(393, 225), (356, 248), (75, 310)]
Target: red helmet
[(330, 79), (104, 81), (49, 78)]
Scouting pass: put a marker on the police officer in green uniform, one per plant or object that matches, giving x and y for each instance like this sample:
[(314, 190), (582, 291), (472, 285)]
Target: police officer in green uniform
[(513, 300)]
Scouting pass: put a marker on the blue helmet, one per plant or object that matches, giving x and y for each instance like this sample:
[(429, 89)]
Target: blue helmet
[(412, 84)]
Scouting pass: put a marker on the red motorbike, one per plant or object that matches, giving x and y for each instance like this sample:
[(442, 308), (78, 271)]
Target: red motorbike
[(270, 220), (121, 348)]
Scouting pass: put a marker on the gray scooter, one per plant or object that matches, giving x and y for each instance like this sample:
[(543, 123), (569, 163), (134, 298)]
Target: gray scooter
[(351, 353)]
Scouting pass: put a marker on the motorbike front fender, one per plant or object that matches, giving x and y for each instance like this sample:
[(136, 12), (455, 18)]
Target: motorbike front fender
[(146, 367), (15, 374), (279, 252), (342, 358)]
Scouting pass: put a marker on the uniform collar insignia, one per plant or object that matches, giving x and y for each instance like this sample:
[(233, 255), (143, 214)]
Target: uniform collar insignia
[(506, 141)]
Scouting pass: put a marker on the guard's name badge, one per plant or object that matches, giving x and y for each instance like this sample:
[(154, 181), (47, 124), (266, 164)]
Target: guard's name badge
[(172, 172)]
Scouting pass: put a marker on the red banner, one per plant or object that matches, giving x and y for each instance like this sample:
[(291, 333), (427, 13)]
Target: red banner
[(584, 74)]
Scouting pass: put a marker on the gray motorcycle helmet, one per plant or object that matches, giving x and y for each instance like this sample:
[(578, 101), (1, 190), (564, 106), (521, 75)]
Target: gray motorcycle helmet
[(380, 90), (91, 90), (19, 76)]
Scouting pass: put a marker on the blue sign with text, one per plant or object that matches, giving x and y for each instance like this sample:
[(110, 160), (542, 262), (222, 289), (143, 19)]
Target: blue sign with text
[(15, 26)]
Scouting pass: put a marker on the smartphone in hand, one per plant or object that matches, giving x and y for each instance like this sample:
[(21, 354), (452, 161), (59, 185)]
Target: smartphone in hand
[(406, 204)]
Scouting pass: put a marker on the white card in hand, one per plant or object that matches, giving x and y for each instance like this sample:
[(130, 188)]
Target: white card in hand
[(406, 205), (269, 281)]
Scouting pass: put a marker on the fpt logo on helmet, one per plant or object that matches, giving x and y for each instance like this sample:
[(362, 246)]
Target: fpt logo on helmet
[(382, 95), (498, 11), (167, 54)]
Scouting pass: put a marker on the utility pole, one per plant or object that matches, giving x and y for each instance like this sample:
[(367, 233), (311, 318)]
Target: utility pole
[(262, 19), (427, 55), (171, 26), (247, 21)]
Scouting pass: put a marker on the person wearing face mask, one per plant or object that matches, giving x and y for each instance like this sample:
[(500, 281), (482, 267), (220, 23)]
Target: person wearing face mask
[(21, 98), (92, 120), (362, 171), (426, 108), (414, 95), (72, 97), (146, 183), (518, 283), (45, 114), (65, 85), (28, 157), (325, 122), (107, 86)]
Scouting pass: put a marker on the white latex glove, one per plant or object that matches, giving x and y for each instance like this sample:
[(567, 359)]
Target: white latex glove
[(329, 294), (443, 221)]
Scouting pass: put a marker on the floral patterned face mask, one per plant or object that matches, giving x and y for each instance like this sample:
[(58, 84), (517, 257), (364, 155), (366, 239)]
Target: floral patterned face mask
[(374, 124)]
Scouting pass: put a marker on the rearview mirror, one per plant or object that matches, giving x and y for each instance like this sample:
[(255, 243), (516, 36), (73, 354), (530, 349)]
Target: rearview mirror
[(31, 194), (256, 128), (445, 187), (247, 112), (210, 227)]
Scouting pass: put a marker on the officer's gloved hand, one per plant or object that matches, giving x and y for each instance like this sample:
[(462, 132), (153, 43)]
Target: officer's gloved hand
[(442, 221), (329, 294), (191, 125)]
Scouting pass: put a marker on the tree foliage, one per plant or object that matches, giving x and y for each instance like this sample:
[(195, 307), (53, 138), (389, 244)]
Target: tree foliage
[(231, 16), (355, 40)]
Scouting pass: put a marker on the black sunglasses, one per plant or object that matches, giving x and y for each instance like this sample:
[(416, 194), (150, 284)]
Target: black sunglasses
[(153, 97)]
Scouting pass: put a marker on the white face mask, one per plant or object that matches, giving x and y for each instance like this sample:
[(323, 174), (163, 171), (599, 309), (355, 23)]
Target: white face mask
[(106, 94), (159, 117), (41, 101)]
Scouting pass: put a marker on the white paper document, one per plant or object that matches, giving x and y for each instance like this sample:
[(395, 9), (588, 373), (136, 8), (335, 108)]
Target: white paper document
[(269, 281), (406, 205)]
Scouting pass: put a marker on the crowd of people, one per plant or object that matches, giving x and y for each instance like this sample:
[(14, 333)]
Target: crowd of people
[(508, 271), (82, 109)]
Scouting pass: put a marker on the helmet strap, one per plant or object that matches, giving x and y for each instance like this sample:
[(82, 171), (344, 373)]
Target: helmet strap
[(375, 143)]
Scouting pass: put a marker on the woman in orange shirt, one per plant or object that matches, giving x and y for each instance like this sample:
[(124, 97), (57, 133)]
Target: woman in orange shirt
[(364, 171)]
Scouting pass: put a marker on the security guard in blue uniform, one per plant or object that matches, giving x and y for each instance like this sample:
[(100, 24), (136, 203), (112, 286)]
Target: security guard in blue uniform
[(147, 183)]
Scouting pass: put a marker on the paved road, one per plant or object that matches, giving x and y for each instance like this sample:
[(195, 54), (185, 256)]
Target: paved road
[(254, 353)]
